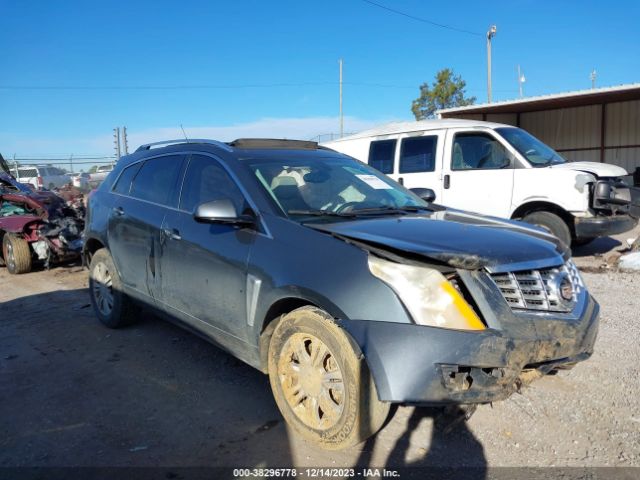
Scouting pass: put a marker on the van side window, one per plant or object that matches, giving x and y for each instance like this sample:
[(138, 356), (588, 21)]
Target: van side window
[(478, 151), (123, 185), (206, 180), (418, 154), (381, 153), (157, 180)]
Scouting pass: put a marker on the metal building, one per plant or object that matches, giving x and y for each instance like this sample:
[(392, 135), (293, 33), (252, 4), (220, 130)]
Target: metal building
[(597, 125)]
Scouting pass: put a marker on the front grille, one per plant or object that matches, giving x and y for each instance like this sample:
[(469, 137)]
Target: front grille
[(539, 289)]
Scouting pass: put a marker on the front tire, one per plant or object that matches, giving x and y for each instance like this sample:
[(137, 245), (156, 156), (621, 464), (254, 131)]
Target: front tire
[(579, 242), (110, 304), (551, 223), (323, 389), (16, 254)]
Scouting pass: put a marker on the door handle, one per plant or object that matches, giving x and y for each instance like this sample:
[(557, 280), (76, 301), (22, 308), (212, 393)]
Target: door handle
[(447, 181), (401, 180), (171, 233), (118, 211)]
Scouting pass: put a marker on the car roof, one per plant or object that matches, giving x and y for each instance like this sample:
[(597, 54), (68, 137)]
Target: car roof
[(422, 125), (240, 149)]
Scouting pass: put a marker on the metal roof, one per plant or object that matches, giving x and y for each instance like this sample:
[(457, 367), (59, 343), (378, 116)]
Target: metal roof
[(557, 100), (403, 127)]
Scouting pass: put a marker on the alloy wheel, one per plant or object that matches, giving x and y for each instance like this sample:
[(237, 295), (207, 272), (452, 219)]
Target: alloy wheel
[(103, 289)]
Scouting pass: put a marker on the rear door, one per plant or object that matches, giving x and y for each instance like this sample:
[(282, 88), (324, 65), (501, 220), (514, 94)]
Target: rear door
[(478, 172), (204, 265), (144, 193), (419, 161)]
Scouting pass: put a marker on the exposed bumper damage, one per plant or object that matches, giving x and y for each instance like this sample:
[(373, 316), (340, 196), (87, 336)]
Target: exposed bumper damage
[(427, 365), (617, 208)]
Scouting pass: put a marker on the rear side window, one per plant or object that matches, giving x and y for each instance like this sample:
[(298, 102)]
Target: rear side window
[(123, 185), (418, 154), (381, 153), (206, 180), (157, 180)]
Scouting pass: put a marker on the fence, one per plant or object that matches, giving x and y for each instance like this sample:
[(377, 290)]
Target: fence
[(327, 137)]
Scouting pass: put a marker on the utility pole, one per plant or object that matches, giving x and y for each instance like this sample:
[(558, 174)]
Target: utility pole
[(341, 117), (490, 34), (521, 80), (124, 141), (116, 142), (593, 76)]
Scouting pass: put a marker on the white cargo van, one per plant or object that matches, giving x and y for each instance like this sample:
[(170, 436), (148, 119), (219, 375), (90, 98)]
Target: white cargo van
[(499, 170)]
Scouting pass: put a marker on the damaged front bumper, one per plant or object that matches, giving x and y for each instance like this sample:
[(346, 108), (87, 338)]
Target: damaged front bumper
[(602, 226), (427, 365)]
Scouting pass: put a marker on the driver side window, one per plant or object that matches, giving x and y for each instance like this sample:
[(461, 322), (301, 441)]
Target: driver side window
[(478, 151)]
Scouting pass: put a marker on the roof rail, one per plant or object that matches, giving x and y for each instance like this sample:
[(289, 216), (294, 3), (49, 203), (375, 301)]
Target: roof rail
[(274, 143), (149, 146)]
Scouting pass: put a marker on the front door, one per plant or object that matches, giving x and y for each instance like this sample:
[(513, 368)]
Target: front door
[(477, 173), (204, 265)]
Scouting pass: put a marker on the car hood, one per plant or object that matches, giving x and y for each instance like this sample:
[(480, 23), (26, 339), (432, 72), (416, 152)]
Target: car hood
[(597, 169), (455, 238)]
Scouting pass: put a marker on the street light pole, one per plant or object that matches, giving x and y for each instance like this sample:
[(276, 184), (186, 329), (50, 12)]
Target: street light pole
[(490, 34), (521, 80), (341, 117)]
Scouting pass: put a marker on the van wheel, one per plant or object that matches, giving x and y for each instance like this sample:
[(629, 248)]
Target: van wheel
[(321, 386), (16, 254), (110, 304), (551, 223)]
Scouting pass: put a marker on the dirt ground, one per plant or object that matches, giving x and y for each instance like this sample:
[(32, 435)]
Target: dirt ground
[(74, 393)]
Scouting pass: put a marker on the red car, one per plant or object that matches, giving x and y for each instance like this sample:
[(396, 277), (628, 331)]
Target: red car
[(35, 226)]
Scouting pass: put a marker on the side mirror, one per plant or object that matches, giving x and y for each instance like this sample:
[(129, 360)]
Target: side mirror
[(221, 211), (425, 194)]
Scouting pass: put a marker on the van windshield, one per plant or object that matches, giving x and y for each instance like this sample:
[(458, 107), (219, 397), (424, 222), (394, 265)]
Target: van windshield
[(331, 187), (537, 153)]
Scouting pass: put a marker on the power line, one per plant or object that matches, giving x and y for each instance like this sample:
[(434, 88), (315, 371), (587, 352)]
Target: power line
[(424, 20), (200, 87), (162, 87)]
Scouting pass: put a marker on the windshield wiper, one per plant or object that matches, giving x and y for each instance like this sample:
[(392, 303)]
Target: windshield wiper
[(320, 213), (385, 210)]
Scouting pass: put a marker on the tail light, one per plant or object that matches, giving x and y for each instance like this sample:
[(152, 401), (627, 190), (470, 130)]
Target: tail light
[(40, 182)]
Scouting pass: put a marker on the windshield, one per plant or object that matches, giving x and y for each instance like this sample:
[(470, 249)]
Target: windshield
[(331, 187), (536, 152)]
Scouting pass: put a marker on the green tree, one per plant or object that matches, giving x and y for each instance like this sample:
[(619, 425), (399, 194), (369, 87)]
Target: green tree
[(93, 169), (446, 92)]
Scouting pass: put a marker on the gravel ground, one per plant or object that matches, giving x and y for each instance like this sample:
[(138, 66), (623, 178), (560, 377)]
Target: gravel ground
[(73, 393)]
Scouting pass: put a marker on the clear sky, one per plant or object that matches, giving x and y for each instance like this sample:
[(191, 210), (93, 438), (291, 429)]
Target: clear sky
[(74, 69)]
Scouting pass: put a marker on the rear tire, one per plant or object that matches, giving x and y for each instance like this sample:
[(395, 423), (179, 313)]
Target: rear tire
[(16, 254), (323, 389), (110, 304), (551, 223)]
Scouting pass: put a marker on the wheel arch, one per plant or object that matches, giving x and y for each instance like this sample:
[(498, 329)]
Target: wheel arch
[(281, 307), (543, 206), (91, 246)]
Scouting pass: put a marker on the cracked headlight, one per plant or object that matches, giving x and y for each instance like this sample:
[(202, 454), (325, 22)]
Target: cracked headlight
[(428, 296)]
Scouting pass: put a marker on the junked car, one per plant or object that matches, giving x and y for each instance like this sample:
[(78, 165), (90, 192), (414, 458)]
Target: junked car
[(351, 292), (35, 226)]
